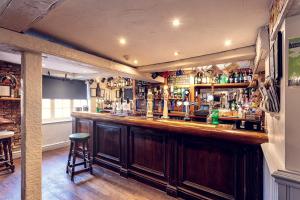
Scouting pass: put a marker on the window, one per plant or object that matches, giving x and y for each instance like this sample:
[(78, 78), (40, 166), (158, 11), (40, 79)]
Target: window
[(46, 109), (79, 103), (62, 108)]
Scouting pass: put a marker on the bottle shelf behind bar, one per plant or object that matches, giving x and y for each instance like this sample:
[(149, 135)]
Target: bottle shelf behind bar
[(225, 85)]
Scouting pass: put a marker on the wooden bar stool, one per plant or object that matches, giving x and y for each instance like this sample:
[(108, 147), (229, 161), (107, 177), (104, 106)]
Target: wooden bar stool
[(6, 159), (79, 148)]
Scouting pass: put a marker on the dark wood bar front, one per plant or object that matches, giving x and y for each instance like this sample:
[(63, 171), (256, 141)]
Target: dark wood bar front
[(186, 159)]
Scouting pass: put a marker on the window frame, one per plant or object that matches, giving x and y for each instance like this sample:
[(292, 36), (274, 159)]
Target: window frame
[(54, 119)]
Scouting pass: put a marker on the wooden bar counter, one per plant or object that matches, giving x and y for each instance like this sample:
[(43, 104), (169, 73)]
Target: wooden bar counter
[(186, 159)]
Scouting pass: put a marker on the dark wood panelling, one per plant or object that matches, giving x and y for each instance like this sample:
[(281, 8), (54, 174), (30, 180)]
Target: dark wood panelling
[(108, 142), (85, 126), (192, 167), (223, 132), (147, 151), (207, 166)]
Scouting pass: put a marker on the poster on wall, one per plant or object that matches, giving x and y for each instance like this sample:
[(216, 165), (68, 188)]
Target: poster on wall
[(294, 62)]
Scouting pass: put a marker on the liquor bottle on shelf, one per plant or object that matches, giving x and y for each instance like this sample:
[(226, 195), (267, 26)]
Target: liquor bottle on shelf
[(203, 78), (250, 75), (199, 78), (245, 76), (241, 77), (231, 78), (236, 78)]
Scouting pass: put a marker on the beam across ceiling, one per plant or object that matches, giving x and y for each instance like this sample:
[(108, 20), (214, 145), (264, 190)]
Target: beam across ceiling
[(240, 54), (18, 15), (23, 42)]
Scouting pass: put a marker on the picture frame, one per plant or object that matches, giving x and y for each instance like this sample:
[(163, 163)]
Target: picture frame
[(294, 62), (93, 92), (5, 91)]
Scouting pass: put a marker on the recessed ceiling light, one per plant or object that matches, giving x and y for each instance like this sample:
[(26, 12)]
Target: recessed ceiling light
[(227, 42), (176, 22), (122, 41), (176, 53), (135, 61)]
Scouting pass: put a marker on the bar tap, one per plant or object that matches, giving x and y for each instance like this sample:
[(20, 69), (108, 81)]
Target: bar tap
[(149, 104), (166, 99)]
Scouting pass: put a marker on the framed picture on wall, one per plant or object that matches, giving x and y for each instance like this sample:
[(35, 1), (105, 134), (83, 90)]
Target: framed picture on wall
[(93, 92), (294, 62), (5, 91)]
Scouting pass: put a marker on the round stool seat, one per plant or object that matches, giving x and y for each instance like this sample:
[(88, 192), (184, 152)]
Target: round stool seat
[(6, 134), (79, 136)]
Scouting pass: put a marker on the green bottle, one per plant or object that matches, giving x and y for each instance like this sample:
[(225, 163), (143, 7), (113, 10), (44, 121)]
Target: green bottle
[(215, 117)]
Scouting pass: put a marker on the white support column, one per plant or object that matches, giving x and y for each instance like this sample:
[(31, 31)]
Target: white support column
[(31, 160)]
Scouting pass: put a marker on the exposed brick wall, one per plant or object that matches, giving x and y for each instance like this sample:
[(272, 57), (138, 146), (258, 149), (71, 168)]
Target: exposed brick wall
[(12, 109)]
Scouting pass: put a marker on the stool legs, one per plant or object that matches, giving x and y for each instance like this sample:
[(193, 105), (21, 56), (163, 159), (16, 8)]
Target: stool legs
[(89, 158), (6, 159), (69, 157), (12, 166), (73, 153), (5, 152), (84, 153)]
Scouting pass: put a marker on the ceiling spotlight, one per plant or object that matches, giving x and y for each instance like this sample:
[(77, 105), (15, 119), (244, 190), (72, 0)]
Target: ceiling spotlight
[(135, 61), (176, 22), (227, 42), (176, 53), (122, 41)]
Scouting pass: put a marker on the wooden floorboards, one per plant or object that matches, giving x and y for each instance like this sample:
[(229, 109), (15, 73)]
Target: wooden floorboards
[(57, 185)]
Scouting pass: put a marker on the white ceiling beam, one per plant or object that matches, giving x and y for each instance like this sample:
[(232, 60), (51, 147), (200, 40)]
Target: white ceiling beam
[(30, 43), (18, 15), (240, 54)]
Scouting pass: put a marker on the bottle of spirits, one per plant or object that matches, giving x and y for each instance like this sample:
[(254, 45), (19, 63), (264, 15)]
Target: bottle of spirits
[(241, 77), (250, 76), (204, 79), (199, 79), (236, 77), (231, 78), (245, 76)]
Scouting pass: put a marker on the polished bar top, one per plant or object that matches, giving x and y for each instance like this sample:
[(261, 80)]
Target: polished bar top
[(220, 131)]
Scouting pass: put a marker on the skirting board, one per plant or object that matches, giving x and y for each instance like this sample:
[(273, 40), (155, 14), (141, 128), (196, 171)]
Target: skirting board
[(47, 147)]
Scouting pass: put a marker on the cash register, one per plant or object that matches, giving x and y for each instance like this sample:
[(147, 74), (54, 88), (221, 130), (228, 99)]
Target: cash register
[(203, 111)]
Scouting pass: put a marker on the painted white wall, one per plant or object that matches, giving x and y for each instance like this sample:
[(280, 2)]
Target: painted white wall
[(93, 100), (292, 150), (56, 135), (283, 150), (274, 150)]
